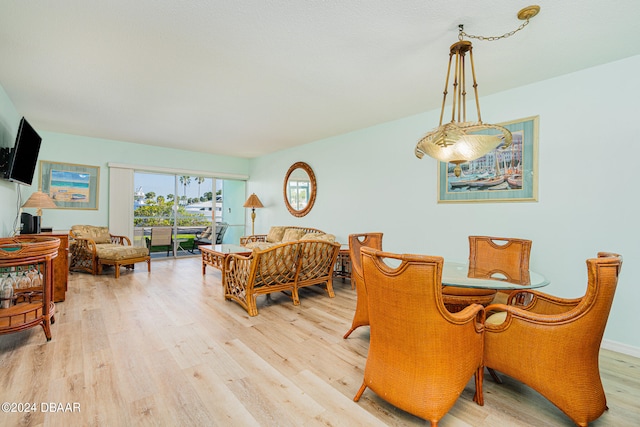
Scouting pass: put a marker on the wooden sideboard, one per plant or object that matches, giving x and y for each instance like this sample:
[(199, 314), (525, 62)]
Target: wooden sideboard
[(60, 264)]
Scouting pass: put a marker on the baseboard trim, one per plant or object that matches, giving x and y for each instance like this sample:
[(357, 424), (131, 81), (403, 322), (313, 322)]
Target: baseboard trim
[(621, 348)]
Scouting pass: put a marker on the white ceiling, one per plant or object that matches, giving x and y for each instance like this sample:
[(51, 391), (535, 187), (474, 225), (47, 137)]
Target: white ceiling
[(250, 77)]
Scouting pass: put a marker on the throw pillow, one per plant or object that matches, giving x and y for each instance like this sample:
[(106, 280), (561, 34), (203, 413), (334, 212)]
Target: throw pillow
[(292, 235), (275, 234), (102, 235), (97, 234)]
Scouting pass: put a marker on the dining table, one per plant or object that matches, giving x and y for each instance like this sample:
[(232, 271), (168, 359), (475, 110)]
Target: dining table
[(457, 274)]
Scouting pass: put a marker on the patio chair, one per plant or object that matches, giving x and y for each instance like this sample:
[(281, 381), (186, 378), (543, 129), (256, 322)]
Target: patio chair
[(205, 237), (160, 237)]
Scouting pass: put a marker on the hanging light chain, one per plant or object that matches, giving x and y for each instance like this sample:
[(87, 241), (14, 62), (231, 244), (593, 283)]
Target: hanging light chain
[(462, 34)]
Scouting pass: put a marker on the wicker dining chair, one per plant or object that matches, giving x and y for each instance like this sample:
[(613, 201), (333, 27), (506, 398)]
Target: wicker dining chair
[(421, 356), (561, 362), (357, 242), (503, 258)]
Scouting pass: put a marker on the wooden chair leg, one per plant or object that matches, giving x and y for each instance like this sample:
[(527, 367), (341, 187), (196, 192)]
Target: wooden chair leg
[(363, 387), (479, 378), (349, 332), (494, 375)]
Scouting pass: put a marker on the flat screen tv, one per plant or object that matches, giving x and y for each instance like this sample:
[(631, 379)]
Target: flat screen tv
[(24, 156)]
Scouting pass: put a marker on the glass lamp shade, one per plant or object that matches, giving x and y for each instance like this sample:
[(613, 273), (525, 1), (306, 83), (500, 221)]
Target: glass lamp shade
[(460, 142)]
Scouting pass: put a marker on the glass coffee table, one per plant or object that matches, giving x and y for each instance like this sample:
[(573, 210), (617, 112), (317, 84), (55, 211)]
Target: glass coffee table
[(214, 255)]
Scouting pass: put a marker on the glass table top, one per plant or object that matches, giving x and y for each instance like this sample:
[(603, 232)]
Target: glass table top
[(228, 248), (455, 274)]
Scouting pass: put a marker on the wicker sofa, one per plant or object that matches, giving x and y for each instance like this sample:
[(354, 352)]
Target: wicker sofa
[(91, 247), (281, 267)]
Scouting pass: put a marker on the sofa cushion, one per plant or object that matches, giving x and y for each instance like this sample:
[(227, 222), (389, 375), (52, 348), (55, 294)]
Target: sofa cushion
[(275, 234), (259, 245), (118, 252), (292, 235), (97, 234), (319, 236)]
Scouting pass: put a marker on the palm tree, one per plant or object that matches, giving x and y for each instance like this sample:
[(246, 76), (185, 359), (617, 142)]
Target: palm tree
[(185, 180), (199, 180)]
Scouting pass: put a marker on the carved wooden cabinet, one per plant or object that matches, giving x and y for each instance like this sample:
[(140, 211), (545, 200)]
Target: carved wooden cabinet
[(60, 264), (26, 264)]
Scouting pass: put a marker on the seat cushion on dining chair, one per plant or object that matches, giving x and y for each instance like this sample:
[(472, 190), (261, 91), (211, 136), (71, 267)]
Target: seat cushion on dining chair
[(497, 318), (500, 298)]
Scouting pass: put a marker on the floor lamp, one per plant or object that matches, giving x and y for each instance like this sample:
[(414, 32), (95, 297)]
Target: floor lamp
[(254, 203)]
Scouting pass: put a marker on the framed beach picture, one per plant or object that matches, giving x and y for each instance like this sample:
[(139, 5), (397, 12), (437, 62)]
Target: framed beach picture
[(507, 174), (70, 186)]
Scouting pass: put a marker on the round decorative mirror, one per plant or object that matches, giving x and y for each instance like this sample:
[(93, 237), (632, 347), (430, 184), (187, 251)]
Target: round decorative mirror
[(299, 189)]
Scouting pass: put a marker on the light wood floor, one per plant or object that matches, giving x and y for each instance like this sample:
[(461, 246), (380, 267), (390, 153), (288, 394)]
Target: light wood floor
[(166, 349)]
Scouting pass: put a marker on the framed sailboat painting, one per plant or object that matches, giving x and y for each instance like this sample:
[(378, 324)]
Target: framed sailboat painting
[(507, 174)]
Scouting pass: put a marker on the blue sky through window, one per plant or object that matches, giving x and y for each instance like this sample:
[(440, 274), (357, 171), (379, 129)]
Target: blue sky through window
[(165, 184)]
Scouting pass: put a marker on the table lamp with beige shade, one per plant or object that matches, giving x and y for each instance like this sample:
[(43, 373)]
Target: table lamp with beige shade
[(38, 200), (254, 203)]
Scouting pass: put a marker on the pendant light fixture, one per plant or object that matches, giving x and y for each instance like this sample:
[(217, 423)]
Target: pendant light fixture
[(460, 140)]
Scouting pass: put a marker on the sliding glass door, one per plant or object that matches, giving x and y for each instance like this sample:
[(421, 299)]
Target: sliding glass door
[(187, 204)]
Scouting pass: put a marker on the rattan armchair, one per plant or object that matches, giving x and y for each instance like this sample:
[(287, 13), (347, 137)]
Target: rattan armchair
[(564, 336), (92, 247), (356, 242), (491, 257), (421, 356)]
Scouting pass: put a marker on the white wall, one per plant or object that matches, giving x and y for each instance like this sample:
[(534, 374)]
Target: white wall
[(370, 180)]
